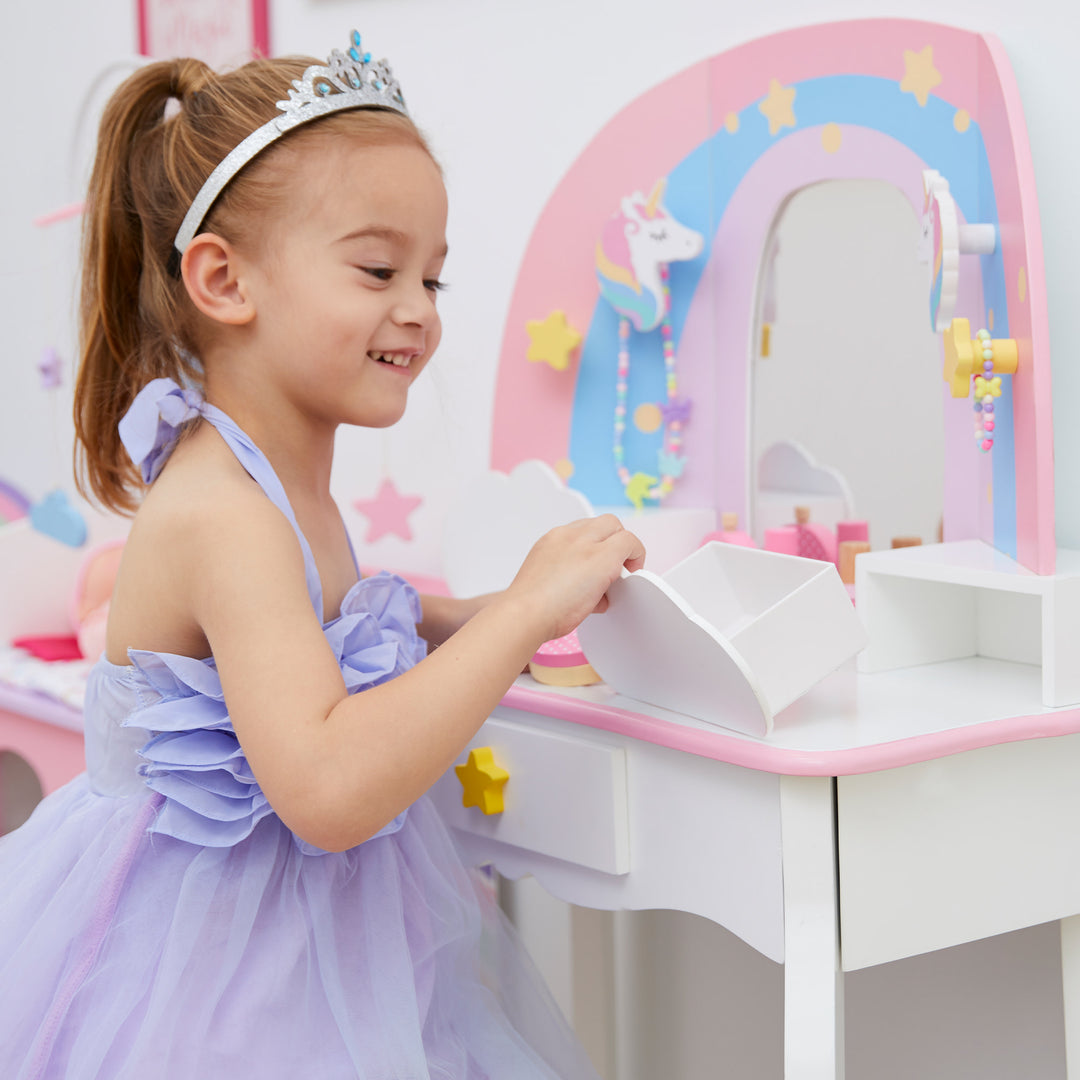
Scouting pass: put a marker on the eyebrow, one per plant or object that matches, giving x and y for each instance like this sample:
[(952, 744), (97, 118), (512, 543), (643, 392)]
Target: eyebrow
[(384, 232)]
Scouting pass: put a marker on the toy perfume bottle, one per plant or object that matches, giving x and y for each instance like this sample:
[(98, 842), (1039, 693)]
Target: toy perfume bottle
[(729, 532)]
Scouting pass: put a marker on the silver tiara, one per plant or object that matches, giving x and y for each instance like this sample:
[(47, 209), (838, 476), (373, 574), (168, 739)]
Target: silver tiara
[(347, 81)]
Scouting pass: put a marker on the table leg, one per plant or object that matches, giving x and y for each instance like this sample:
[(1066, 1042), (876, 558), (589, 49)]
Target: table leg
[(1070, 985), (813, 980)]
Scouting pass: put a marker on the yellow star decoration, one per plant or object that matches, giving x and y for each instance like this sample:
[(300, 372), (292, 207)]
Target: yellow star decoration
[(552, 340), (776, 106), (920, 75), (987, 386), (482, 781)]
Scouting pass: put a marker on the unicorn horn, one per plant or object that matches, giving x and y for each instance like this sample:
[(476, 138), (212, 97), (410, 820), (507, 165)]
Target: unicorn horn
[(655, 196)]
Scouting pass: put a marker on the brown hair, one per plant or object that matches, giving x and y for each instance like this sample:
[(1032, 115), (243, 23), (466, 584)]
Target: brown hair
[(136, 322)]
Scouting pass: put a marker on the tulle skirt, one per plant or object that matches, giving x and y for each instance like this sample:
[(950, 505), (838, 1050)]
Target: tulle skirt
[(127, 955)]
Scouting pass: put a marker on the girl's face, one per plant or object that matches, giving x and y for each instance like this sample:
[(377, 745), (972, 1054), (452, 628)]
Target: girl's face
[(346, 284)]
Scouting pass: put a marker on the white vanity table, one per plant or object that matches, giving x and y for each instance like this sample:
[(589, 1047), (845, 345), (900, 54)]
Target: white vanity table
[(888, 814)]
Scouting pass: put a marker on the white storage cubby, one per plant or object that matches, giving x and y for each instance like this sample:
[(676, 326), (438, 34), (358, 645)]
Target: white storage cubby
[(925, 605)]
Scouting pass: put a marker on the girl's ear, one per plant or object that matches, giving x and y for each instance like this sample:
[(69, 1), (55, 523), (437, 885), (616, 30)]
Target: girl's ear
[(211, 271)]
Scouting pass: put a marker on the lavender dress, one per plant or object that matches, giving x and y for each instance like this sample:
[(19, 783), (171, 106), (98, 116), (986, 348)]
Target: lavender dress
[(157, 919)]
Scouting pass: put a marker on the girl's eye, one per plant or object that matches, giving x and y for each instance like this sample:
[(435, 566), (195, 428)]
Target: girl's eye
[(434, 285), (381, 273)]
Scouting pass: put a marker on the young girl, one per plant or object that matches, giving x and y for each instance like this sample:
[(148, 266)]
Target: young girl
[(249, 881)]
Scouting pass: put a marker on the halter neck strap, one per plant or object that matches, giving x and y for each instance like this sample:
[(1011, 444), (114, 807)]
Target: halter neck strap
[(153, 424)]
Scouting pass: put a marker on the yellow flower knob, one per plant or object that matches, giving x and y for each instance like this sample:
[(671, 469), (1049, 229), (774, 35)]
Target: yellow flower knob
[(482, 781)]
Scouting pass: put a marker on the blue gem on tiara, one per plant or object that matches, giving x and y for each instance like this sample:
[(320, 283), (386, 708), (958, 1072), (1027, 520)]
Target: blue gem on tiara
[(351, 74)]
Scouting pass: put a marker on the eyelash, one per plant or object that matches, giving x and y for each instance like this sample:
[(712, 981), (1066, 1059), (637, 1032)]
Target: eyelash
[(385, 273)]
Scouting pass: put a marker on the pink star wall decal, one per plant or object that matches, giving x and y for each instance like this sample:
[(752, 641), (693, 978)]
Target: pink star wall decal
[(388, 512)]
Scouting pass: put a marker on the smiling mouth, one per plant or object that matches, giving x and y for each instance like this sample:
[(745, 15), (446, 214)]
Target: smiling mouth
[(397, 359)]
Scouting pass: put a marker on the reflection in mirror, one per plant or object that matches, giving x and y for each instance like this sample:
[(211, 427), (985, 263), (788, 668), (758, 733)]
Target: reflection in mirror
[(845, 365)]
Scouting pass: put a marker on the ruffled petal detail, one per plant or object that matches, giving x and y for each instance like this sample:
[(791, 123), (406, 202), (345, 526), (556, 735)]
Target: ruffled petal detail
[(195, 760), (152, 424), (375, 636)]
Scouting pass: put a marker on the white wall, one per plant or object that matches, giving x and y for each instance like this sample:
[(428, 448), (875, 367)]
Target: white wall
[(510, 93)]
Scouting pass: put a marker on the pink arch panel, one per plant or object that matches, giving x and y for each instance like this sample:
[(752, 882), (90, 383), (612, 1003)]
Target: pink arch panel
[(655, 132)]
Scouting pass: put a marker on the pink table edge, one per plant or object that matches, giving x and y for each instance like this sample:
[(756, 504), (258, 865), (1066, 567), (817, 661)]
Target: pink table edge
[(760, 756), (717, 745)]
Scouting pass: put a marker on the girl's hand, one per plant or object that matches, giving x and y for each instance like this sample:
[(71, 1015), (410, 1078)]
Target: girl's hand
[(568, 571)]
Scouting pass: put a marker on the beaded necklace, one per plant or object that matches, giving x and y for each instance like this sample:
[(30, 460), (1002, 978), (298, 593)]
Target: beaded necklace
[(675, 412), (987, 387)]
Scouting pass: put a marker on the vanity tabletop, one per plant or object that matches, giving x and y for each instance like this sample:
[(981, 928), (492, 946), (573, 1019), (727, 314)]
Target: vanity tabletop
[(851, 722)]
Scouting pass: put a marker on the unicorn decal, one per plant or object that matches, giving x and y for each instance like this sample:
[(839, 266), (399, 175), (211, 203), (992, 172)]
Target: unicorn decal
[(637, 241), (632, 257)]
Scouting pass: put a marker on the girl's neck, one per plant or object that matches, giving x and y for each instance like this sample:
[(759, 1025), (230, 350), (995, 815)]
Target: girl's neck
[(300, 451)]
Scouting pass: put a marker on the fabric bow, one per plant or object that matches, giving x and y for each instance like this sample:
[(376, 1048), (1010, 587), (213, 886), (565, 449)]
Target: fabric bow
[(152, 424)]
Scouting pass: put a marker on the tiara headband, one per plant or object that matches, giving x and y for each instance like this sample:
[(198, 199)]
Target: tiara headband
[(347, 81)]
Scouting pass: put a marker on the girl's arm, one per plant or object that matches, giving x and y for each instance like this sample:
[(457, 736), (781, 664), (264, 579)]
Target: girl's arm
[(336, 768)]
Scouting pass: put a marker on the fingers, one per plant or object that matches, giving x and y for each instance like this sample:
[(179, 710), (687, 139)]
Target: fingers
[(600, 527), (629, 547), (636, 559)]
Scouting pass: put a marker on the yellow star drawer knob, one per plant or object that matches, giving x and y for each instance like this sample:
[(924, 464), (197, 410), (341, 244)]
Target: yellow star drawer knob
[(482, 781), (964, 357)]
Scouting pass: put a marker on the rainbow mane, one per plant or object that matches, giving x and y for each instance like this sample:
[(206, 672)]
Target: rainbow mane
[(619, 284)]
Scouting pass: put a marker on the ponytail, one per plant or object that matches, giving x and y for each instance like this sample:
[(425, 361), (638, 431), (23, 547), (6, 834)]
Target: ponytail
[(129, 302)]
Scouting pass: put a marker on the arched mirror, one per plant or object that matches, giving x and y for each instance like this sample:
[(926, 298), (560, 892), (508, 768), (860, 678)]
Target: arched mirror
[(847, 392)]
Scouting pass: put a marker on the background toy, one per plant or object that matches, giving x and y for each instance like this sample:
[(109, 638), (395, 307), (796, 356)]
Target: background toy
[(563, 663), (815, 541), (784, 540), (803, 537), (848, 551), (852, 530), (729, 531)]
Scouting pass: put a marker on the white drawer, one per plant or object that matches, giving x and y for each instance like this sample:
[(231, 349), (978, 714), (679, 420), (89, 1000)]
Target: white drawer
[(958, 849), (566, 797)]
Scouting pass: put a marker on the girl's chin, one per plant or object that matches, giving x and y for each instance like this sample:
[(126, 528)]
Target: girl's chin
[(381, 418)]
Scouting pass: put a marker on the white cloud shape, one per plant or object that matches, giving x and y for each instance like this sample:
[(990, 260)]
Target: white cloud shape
[(489, 531)]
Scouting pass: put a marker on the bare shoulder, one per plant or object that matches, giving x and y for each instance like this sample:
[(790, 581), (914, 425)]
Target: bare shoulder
[(204, 529), (205, 497)]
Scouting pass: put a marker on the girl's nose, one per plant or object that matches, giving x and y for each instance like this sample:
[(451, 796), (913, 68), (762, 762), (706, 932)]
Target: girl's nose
[(414, 305)]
